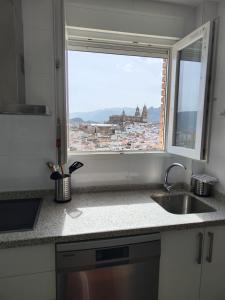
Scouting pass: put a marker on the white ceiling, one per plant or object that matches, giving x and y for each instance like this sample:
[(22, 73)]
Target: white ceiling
[(188, 2)]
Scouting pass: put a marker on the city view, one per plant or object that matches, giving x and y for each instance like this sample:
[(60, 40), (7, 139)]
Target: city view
[(101, 128), (120, 133)]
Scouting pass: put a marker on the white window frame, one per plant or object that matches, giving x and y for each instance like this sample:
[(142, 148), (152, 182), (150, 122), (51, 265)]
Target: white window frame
[(204, 32), (132, 44), (126, 48)]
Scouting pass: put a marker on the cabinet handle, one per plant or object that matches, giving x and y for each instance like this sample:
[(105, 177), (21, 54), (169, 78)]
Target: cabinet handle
[(200, 248), (210, 252)]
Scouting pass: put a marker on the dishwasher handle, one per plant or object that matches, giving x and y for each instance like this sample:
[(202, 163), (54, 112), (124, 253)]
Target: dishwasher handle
[(108, 256), (112, 256), (112, 253)]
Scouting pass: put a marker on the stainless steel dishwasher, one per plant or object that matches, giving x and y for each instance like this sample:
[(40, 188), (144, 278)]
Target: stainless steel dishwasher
[(113, 269)]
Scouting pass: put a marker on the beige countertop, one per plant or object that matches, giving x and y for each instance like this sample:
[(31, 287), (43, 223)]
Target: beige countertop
[(95, 215)]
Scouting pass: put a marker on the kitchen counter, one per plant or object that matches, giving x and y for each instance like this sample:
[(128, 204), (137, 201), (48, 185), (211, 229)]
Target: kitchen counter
[(95, 215)]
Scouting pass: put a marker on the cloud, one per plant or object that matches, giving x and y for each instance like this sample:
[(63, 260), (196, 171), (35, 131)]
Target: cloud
[(153, 61), (128, 68)]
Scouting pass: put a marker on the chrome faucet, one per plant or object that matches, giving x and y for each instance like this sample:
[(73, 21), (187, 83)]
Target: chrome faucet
[(168, 186)]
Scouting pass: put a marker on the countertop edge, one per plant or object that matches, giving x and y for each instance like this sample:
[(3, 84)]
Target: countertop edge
[(107, 234)]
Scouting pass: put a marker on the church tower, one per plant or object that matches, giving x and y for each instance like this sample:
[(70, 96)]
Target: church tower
[(144, 115), (137, 112), (123, 116)]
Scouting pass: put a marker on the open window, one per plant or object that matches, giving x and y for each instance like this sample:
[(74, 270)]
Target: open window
[(189, 93)]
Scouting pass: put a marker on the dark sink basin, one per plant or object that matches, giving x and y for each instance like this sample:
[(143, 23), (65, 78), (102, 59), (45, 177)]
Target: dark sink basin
[(19, 214), (182, 204)]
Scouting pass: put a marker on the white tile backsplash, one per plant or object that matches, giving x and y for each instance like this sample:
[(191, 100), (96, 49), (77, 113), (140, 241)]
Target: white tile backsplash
[(216, 163), (31, 136), (27, 142), (24, 173), (118, 169), (5, 134)]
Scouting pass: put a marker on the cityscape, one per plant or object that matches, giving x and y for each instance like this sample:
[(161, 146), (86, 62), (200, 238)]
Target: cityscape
[(116, 103), (121, 132)]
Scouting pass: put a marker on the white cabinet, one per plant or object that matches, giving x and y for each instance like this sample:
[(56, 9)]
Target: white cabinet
[(192, 265), (179, 269), (28, 273), (40, 286), (213, 267), (27, 260)]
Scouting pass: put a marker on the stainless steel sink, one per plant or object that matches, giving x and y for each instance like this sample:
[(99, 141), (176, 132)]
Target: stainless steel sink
[(182, 204)]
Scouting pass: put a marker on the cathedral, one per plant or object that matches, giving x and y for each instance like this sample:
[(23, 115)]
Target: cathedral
[(138, 117)]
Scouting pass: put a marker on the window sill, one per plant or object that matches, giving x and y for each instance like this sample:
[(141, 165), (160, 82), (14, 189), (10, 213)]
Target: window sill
[(161, 153)]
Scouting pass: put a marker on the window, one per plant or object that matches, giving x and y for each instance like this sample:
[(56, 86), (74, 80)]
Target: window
[(116, 101), (117, 94), (190, 93)]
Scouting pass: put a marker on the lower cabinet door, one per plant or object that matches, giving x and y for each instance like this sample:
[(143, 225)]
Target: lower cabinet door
[(213, 268), (180, 264), (40, 286)]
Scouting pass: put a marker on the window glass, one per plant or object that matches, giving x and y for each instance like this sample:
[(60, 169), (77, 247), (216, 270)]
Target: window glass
[(116, 102), (188, 94)]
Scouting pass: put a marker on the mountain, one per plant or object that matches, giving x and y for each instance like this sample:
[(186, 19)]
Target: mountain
[(102, 115), (76, 120)]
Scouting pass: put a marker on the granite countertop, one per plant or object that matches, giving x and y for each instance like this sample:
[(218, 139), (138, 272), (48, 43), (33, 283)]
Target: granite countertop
[(95, 215)]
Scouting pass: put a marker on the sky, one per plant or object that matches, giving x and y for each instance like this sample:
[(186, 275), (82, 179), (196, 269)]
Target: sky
[(99, 81)]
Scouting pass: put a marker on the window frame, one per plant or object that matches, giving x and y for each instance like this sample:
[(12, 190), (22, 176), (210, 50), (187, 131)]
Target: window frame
[(126, 48), (204, 32)]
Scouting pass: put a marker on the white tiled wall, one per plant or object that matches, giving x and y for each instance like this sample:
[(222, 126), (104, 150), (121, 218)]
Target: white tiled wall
[(118, 169), (38, 52), (27, 142), (142, 16), (216, 164)]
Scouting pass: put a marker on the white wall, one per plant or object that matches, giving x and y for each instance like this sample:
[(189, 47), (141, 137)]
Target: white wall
[(205, 12), (27, 142), (216, 161), (216, 164), (135, 16), (119, 169)]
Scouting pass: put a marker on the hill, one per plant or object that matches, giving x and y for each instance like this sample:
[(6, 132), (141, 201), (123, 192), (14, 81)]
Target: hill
[(102, 115)]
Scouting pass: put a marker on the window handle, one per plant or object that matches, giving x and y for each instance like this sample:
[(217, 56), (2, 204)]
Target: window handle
[(210, 250), (200, 247)]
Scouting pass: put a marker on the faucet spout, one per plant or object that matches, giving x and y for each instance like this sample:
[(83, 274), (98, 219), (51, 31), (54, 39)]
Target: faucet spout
[(168, 186)]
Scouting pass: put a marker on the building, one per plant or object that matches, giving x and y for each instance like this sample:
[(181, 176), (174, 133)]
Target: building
[(123, 118)]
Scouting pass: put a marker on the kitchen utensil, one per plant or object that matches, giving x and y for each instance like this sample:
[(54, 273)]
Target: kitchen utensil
[(58, 142), (62, 171), (75, 166), (56, 175), (51, 167), (63, 189)]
